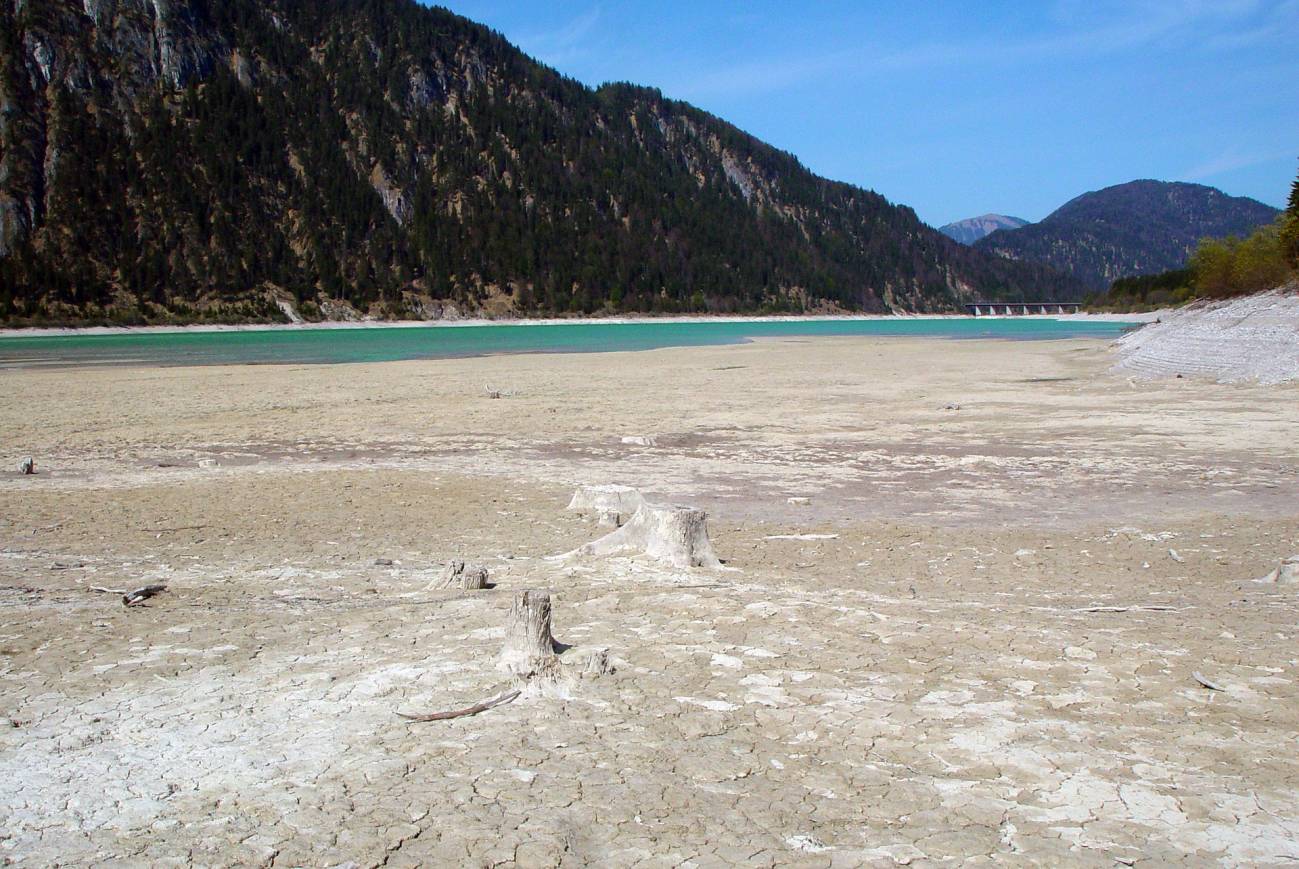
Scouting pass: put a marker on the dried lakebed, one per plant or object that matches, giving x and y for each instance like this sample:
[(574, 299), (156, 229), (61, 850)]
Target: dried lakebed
[(975, 641)]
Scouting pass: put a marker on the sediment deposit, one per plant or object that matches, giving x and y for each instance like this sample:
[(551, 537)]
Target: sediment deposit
[(976, 633)]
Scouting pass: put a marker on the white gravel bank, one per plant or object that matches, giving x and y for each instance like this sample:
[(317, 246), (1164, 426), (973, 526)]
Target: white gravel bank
[(1255, 338)]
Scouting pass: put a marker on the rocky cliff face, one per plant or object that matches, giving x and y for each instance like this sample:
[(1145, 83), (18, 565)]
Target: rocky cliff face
[(190, 158), (1138, 228)]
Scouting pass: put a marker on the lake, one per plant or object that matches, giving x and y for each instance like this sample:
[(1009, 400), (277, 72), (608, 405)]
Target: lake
[(387, 343)]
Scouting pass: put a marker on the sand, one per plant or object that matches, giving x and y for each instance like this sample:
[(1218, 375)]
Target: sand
[(975, 641), (1251, 339)]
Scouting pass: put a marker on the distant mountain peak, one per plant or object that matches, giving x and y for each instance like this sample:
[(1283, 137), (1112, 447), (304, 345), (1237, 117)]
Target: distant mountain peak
[(972, 229)]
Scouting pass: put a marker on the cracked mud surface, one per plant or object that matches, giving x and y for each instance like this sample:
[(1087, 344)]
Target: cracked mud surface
[(981, 649)]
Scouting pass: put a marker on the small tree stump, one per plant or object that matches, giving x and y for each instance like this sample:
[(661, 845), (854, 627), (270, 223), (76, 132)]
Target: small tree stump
[(1286, 573), (678, 535), (27, 465), (529, 649), (528, 654), (457, 574), (596, 663)]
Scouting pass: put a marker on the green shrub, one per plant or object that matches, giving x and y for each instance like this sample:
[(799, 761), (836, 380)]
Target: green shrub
[(1233, 266)]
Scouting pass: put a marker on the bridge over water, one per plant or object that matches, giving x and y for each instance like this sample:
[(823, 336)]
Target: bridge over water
[(1018, 309)]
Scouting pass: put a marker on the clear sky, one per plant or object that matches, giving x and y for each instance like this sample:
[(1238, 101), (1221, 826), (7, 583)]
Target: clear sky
[(960, 108)]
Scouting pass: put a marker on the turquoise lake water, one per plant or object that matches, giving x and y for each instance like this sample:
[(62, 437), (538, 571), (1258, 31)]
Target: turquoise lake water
[(380, 344)]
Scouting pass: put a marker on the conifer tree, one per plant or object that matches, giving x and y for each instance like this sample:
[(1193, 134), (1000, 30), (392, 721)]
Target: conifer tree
[(1290, 226)]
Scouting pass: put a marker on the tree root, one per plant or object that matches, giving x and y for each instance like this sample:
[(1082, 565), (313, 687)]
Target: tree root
[(498, 700)]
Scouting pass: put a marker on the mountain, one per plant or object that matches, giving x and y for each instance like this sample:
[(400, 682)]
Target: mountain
[(222, 159), (1138, 228), (972, 229)]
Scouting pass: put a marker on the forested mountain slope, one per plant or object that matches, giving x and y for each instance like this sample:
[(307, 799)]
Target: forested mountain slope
[(205, 158), (1138, 228)]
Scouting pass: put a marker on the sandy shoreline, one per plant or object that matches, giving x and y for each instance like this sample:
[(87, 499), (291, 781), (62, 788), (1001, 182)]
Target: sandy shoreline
[(976, 642), (553, 321)]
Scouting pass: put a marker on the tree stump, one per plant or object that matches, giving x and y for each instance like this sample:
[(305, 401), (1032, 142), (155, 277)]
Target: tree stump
[(529, 648), (595, 664), (528, 655), (27, 465), (678, 535), (457, 574), (614, 505), (1286, 573)]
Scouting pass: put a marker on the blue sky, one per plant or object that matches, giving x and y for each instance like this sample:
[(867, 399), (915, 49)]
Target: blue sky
[(960, 108)]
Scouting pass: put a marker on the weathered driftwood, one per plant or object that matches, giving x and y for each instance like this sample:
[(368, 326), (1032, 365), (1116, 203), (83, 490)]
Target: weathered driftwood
[(1156, 608), (1212, 686), (1286, 573), (613, 505), (678, 535), (132, 598), (498, 700), (529, 648), (457, 574), (27, 465)]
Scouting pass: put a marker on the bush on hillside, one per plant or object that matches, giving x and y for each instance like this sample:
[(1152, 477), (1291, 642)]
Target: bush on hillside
[(1147, 292), (1234, 266), (1218, 269)]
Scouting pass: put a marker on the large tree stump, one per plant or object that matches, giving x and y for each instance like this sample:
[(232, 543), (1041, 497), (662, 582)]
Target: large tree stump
[(529, 648), (457, 574), (1286, 573), (678, 535)]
